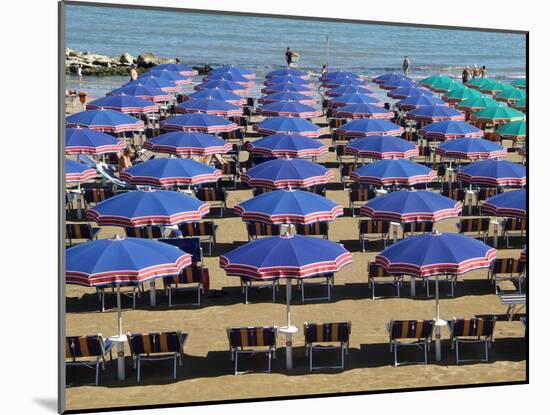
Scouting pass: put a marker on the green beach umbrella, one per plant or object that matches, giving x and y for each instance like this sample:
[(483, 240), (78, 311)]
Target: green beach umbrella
[(510, 95), (495, 88), (520, 83), (443, 84), (431, 79), (516, 130), (460, 94), (520, 105), (477, 104), (498, 115), (478, 83)]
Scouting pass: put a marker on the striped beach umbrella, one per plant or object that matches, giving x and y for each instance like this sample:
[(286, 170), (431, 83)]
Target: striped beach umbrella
[(347, 99), (288, 79), (512, 204), (287, 172), (287, 145), (343, 81), (493, 173), (288, 206), (228, 76), (126, 104), (381, 147), (188, 144), (288, 87), (86, 141), (234, 69), (177, 67), (395, 83), (435, 113), (288, 125), (166, 75), (367, 126), (222, 84), (520, 83), (408, 206), (477, 104), (348, 89), (162, 84), (142, 91), (356, 111), (408, 91), (104, 120), (199, 122), (520, 105), (497, 115), (77, 172), (515, 130), (289, 109), (147, 207), (390, 75), (511, 95), (460, 94), (418, 101), (170, 172), (444, 130), (286, 72), (287, 96), (339, 74), (217, 93), (471, 149), (393, 172), (209, 106)]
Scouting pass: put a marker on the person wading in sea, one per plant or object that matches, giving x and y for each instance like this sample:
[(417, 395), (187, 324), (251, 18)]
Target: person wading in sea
[(406, 65), (465, 75), (289, 54)]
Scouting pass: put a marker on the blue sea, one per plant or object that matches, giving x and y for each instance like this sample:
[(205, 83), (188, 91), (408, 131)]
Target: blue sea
[(259, 43)]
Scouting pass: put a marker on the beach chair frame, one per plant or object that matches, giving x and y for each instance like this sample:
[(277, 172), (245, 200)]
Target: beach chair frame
[(131, 291), (359, 195), (378, 275), (259, 229), (507, 269), (248, 283), (103, 347), (325, 280), (330, 333), (484, 336), (189, 279), (313, 229), (423, 335), (208, 236), (214, 197), (382, 229), (513, 225), (236, 348), (80, 231)]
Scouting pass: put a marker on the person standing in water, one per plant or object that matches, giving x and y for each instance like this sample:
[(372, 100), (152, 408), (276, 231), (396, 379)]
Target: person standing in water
[(406, 65), (289, 54), (133, 72), (324, 70), (483, 72), (475, 71), (465, 75)]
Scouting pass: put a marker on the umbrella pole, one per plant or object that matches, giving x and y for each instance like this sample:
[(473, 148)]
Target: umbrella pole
[(119, 310), (119, 339), (288, 330), (438, 322)]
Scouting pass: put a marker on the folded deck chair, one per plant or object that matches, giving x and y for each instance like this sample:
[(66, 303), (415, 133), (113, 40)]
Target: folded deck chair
[(400, 330), (156, 346), (475, 330), (331, 333), (78, 350), (252, 340)]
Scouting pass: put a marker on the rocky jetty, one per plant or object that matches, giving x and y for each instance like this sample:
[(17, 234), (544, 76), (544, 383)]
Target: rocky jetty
[(103, 65)]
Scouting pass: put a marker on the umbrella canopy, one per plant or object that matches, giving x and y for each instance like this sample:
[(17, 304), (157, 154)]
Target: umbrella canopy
[(288, 125), (339, 74), (516, 130), (435, 113), (348, 89), (418, 101), (286, 72), (381, 147), (288, 206), (147, 207), (347, 99), (495, 87), (520, 105), (408, 206), (228, 76), (209, 106), (508, 204), (478, 83), (142, 91), (199, 122), (367, 126), (520, 83), (289, 109), (188, 144), (104, 120), (86, 141), (286, 256), (234, 69), (287, 172), (177, 67), (222, 84), (343, 81), (287, 96), (511, 95), (460, 94), (217, 93), (289, 145), (498, 115), (288, 87), (477, 103), (393, 172), (389, 76), (395, 84), (78, 172), (494, 173), (162, 84), (288, 79), (471, 149), (166, 75), (408, 91), (127, 104), (442, 84), (170, 172), (444, 130), (356, 111)]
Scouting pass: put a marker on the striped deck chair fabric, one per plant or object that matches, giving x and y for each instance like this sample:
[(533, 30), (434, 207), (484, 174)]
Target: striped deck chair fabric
[(96, 195), (487, 192), (81, 347), (189, 275), (257, 229), (345, 171), (378, 275), (315, 333), (510, 269), (373, 227), (80, 231), (418, 227), (313, 229), (475, 330), (399, 330), (475, 225), (256, 191), (242, 340), (156, 346), (205, 230), (360, 195), (145, 232), (515, 226), (215, 197), (190, 245)]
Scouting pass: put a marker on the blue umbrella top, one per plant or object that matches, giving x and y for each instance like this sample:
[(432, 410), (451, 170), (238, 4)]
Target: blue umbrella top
[(382, 146), (159, 83), (286, 96), (355, 99), (177, 67), (451, 128), (286, 144), (103, 119), (74, 167), (370, 126), (394, 169), (290, 79), (184, 142), (510, 204), (140, 90), (409, 91), (287, 87), (232, 69), (208, 104), (494, 173), (435, 111), (291, 125), (284, 72), (345, 82), (349, 89), (389, 76), (226, 76), (166, 75), (215, 93), (222, 84), (420, 100), (340, 74), (122, 102), (472, 146)]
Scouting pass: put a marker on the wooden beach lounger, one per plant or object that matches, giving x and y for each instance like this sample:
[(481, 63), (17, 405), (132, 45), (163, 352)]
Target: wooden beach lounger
[(514, 226), (252, 340), (475, 330), (313, 229), (80, 231), (400, 330), (331, 333), (214, 197), (378, 275), (507, 269), (369, 228), (359, 196), (189, 279), (515, 303), (78, 350)]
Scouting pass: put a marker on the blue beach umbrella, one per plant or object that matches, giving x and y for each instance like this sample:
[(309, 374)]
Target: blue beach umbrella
[(234, 69), (287, 96), (444, 130), (147, 207), (339, 74), (286, 72), (170, 172), (86, 141), (343, 81), (289, 109), (434, 113), (471, 149), (381, 147), (409, 91), (166, 75), (223, 84), (199, 122), (209, 106), (347, 99), (356, 111), (287, 145), (287, 87), (127, 104), (398, 82), (393, 172), (348, 89), (77, 172), (184, 143), (287, 172), (408, 206), (162, 84), (177, 67), (367, 126), (417, 101), (494, 173), (511, 204), (288, 206), (104, 120), (141, 91), (390, 76), (288, 79), (228, 76), (288, 125), (217, 93)]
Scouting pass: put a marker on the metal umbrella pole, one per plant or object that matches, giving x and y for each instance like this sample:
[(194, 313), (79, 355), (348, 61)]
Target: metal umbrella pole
[(438, 322), (119, 339), (289, 330)]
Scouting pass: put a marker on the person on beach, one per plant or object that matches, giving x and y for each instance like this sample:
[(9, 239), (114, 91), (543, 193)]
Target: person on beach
[(289, 54), (483, 72), (406, 65), (465, 75), (177, 60), (125, 158), (133, 72), (79, 72), (324, 70), (475, 71)]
